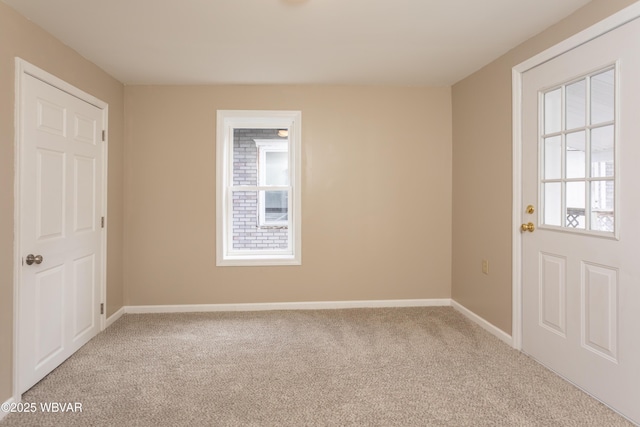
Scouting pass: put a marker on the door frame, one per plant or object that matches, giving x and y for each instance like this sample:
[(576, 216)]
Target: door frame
[(22, 70), (608, 24)]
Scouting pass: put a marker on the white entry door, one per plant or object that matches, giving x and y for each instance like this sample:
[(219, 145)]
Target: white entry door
[(581, 251), (61, 205)]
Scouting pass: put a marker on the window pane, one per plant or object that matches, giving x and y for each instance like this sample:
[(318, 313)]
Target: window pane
[(580, 156), (576, 159), (552, 203), (245, 156), (277, 168), (575, 195), (244, 219), (276, 206), (602, 97), (602, 152), (247, 232), (602, 205), (576, 104), (552, 111), (553, 158)]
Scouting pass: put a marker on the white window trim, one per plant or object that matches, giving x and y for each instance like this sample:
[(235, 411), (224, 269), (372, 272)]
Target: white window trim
[(264, 146), (227, 120)]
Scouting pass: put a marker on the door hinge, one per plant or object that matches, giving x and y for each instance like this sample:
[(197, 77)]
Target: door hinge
[(102, 222), (101, 308), (104, 135)]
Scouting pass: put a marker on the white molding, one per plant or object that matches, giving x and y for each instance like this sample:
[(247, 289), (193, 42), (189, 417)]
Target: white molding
[(608, 24), (516, 244), (17, 276), (115, 316), (320, 305), (23, 68), (596, 30), (105, 212), (489, 327), (7, 402)]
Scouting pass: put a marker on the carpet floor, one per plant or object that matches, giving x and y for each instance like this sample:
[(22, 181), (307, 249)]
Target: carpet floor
[(364, 367)]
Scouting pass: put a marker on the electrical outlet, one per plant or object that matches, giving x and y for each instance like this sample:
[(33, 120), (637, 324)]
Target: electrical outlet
[(485, 266)]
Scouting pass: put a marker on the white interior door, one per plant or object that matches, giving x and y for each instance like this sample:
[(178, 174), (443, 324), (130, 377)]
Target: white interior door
[(61, 205), (581, 170)]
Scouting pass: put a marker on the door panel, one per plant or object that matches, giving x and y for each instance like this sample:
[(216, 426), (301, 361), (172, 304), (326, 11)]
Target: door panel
[(84, 294), (600, 307), (85, 129), (52, 117), (49, 312), (553, 290), (581, 276), (84, 194), (50, 189), (61, 161)]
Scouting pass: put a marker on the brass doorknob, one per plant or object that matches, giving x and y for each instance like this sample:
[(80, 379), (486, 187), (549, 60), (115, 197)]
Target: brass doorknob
[(527, 227)]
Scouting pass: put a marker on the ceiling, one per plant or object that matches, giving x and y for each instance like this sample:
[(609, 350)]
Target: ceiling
[(391, 42)]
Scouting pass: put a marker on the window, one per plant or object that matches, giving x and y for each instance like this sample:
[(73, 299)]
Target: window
[(577, 149), (258, 188), (273, 170)]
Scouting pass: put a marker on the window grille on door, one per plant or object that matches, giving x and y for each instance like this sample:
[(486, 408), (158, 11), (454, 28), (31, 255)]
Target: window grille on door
[(577, 154)]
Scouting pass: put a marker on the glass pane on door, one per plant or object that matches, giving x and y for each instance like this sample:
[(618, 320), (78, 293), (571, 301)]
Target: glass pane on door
[(553, 157), (577, 154), (602, 97), (575, 196), (553, 203), (576, 108), (602, 206), (602, 152), (553, 111)]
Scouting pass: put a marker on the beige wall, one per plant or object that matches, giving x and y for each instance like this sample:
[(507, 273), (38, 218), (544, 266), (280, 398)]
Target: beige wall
[(482, 171), (376, 188), (19, 37)]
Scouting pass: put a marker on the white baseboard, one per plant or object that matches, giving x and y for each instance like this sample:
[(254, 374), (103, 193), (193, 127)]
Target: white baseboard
[(492, 329), (320, 305), (115, 316), (6, 404)]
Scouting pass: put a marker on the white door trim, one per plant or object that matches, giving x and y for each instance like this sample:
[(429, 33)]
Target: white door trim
[(23, 69), (608, 24)]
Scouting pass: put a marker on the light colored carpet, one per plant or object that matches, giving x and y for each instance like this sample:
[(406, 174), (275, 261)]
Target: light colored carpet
[(366, 367)]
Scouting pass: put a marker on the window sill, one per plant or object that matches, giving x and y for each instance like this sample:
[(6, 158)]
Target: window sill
[(257, 260)]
